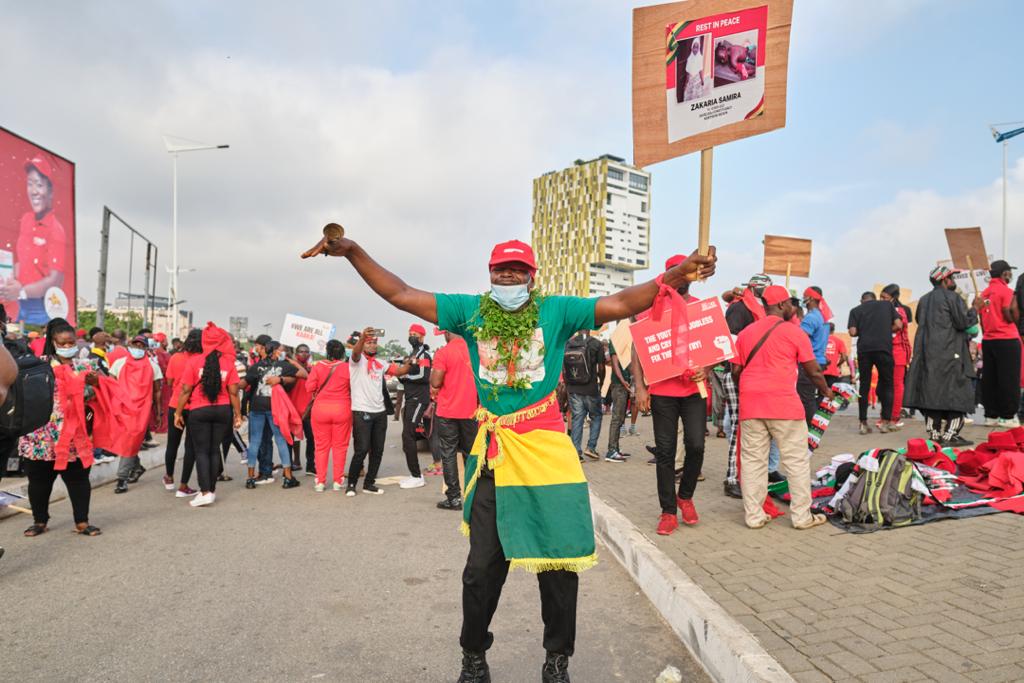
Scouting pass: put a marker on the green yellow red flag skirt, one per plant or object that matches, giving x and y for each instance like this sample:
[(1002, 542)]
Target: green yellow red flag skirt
[(542, 499)]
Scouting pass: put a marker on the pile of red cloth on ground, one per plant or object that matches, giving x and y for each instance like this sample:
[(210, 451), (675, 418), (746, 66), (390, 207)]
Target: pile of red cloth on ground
[(995, 470)]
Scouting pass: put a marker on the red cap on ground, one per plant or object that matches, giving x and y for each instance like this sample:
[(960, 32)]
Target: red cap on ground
[(416, 328), (674, 261), (775, 294), (41, 165), (513, 251)]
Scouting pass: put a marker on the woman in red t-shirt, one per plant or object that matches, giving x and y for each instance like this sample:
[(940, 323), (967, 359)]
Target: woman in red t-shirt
[(174, 378), (901, 351), (328, 386), (299, 394), (210, 390)]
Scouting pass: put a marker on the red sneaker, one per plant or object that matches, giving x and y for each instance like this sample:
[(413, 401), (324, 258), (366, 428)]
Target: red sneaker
[(667, 523), (687, 511)]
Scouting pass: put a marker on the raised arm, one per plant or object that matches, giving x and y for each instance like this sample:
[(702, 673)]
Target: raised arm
[(639, 298), (386, 284)]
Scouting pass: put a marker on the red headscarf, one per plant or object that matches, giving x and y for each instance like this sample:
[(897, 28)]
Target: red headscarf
[(217, 339), (826, 312)]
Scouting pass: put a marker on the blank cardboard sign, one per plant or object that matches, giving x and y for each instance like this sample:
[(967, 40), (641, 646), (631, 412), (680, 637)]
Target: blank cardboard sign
[(651, 42), (780, 252), (964, 242)]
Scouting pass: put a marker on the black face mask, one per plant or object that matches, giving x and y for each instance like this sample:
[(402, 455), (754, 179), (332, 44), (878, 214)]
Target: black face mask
[(415, 342)]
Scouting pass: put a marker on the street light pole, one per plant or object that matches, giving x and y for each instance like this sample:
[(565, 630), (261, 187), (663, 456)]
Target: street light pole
[(1004, 138), (174, 149), (1005, 143)]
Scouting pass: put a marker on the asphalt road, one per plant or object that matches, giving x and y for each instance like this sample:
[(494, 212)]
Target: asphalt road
[(276, 585)]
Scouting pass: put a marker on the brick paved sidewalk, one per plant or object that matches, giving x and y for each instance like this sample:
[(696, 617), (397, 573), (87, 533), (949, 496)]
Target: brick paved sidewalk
[(940, 601)]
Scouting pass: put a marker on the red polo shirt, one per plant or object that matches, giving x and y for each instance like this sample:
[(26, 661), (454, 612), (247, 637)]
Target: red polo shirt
[(40, 247), (993, 324), (768, 385)]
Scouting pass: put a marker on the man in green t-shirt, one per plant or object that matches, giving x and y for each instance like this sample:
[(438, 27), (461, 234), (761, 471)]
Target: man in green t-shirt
[(526, 500)]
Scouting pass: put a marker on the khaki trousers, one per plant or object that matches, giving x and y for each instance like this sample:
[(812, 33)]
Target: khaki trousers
[(755, 439)]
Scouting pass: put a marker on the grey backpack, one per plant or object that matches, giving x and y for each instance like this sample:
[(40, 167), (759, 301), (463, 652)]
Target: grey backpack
[(885, 497)]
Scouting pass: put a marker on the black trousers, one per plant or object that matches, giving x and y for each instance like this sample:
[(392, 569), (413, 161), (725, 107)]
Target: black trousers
[(207, 427), (412, 413), (307, 432), (808, 394), (41, 476), (368, 433), (1000, 377), (484, 577), (666, 411), (884, 362), (174, 436), (454, 436)]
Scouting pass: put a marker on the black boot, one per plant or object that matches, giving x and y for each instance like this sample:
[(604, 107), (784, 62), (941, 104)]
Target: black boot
[(555, 669), (474, 668), (121, 487)]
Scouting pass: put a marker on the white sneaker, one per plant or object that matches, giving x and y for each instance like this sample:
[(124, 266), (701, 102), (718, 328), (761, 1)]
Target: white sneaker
[(412, 483), (338, 486), (320, 488), (201, 500), (1012, 423), (187, 493), (351, 493), (991, 422)]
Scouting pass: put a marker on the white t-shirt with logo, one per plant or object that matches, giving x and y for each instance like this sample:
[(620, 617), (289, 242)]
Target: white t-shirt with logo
[(367, 384)]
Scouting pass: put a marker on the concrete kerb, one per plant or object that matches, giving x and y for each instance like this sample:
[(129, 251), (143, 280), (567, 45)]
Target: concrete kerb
[(723, 646), (100, 474)]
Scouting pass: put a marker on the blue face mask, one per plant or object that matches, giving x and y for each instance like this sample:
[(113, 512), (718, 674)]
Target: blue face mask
[(69, 352), (510, 297), (137, 354)]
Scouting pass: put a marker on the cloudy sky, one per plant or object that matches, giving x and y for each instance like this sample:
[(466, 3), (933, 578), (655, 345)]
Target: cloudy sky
[(420, 126)]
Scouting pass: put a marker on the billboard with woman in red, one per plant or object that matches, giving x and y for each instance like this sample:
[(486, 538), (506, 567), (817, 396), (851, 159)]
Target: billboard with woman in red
[(37, 232)]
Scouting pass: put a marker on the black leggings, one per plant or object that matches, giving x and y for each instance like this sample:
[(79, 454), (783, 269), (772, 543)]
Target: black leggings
[(41, 476), (171, 454), (208, 425)]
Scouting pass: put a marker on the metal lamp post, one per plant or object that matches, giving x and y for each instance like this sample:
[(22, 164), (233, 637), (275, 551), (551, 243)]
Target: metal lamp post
[(173, 148), (1004, 138)]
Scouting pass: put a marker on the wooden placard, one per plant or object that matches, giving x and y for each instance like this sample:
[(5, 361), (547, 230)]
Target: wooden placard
[(964, 242), (787, 256), (652, 141), (622, 340)]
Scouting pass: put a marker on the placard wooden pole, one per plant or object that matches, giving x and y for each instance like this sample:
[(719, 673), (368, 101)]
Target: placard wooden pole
[(970, 269), (789, 269), (704, 225)]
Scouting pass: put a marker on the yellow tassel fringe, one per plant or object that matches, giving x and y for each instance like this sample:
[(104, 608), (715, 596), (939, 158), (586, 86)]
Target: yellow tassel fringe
[(546, 564)]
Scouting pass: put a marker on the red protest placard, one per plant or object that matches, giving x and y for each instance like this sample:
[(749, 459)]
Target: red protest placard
[(708, 341)]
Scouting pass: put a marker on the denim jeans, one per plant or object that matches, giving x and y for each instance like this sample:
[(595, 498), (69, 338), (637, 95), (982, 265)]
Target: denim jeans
[(258, 421), (581, 406)]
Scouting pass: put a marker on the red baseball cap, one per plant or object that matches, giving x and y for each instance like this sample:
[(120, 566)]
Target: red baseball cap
[(416, 328), (513, 251), (674, 261), (41, 165), (775, 294)]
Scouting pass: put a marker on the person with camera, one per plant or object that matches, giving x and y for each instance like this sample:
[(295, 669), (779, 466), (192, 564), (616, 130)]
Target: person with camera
[(370, 402)]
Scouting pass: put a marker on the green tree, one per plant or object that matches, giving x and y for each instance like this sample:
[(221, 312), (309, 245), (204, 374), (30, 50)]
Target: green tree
[(392, 349), (130, 322)]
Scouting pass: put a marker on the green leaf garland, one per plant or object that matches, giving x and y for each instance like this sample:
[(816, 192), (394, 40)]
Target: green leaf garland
[(513, 332)]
